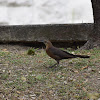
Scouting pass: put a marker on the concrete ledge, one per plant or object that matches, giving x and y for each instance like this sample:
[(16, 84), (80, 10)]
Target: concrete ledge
[(32, 33)]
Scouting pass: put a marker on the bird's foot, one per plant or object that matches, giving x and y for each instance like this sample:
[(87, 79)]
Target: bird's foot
[(53, 66)]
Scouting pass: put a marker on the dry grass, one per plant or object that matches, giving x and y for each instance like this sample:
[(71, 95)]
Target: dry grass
[(28, 77)]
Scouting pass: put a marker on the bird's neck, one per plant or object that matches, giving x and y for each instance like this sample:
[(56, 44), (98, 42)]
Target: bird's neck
[(49, 45)]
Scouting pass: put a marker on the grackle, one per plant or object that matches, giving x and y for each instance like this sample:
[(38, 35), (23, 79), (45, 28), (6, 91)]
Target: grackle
[(58, 54)]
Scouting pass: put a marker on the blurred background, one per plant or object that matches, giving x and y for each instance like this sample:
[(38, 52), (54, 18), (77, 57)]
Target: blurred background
[(23, 12)]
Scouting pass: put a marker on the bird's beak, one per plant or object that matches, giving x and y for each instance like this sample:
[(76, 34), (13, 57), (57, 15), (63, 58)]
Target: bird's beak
[(42, 41)]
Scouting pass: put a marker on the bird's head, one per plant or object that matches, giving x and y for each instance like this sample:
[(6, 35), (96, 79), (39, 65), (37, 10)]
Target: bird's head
[(46, 42)]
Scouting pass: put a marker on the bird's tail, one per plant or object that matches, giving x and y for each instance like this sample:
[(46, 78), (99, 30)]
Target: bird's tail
[(82, 56)]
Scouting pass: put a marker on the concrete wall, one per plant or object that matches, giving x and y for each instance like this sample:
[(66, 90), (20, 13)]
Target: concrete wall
[(32, 33)]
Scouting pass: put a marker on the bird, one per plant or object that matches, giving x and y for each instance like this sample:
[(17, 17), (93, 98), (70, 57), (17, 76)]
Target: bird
[(58, 54)]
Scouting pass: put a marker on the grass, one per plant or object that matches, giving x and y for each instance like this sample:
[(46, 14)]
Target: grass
[(29, 76)]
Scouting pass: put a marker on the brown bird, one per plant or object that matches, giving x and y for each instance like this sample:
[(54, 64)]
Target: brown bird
[(58, 54)]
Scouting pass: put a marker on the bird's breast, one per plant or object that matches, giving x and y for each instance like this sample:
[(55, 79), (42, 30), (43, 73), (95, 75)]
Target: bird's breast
[(49, 53)]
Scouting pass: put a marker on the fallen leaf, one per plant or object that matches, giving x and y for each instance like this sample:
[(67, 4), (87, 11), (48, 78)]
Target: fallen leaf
[(84, 89), (4, 49), (84, 67), (40, 61), (76, 71), (18, 92)]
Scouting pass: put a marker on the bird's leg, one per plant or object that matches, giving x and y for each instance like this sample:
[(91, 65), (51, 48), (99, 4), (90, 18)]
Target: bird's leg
[(55, 64)]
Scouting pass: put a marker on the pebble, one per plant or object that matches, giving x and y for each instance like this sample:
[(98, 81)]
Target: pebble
[(89, 69), (63, 77), (65, 82), (33, 95), (70, 79), (3, 70)]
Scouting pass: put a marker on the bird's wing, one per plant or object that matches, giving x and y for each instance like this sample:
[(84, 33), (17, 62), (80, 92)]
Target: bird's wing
[(62, 54)]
